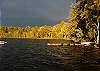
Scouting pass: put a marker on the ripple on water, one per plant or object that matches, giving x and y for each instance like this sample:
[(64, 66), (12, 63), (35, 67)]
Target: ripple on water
[(48, 58)]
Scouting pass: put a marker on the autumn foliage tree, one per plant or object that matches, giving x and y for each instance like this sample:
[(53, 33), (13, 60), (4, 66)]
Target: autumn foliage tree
[(84, 14)]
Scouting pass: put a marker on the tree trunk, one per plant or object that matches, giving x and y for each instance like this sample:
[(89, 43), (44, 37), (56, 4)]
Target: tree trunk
[(98, 21)]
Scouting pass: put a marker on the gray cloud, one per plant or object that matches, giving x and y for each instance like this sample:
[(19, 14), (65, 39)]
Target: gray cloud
[(28, 9)]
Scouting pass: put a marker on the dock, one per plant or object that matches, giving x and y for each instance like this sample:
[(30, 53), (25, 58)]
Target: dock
[(82, 44)]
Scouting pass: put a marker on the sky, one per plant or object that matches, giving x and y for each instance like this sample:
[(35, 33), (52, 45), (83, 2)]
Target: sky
[(33, 12)]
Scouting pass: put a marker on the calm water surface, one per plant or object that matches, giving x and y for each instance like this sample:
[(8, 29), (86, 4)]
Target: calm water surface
[(35, 55)]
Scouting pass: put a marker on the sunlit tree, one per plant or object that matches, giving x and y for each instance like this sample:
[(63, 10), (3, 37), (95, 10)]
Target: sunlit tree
[(84, 14)]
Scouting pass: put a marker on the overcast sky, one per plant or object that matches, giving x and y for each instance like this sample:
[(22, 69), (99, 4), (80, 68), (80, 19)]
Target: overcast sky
[(34, 12)]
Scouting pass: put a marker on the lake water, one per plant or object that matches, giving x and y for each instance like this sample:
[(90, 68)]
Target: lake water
[(35, 55)]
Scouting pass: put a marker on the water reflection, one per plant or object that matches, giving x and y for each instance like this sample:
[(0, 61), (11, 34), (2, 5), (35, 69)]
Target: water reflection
[(25, 56), (88, 59)]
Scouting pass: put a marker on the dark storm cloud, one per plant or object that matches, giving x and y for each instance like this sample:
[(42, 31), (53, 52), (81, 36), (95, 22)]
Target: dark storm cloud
[(24, 10), (1, 1)]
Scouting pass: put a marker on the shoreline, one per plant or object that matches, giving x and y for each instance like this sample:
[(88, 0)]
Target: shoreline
[(40, 38), (95, 45)]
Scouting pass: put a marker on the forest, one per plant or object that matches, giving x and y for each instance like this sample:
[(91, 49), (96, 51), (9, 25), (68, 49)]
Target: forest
[(81, 26)]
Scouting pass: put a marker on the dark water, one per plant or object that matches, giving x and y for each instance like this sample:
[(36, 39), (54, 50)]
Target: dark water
[(35, 55)]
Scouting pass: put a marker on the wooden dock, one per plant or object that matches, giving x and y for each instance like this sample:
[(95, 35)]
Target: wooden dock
[(83, 45), (62, 44)]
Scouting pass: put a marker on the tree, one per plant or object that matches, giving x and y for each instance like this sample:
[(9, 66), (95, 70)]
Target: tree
[(84, 14)]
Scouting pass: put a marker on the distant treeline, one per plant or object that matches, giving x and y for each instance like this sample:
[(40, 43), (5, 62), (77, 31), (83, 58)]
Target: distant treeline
[(62, 30)]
